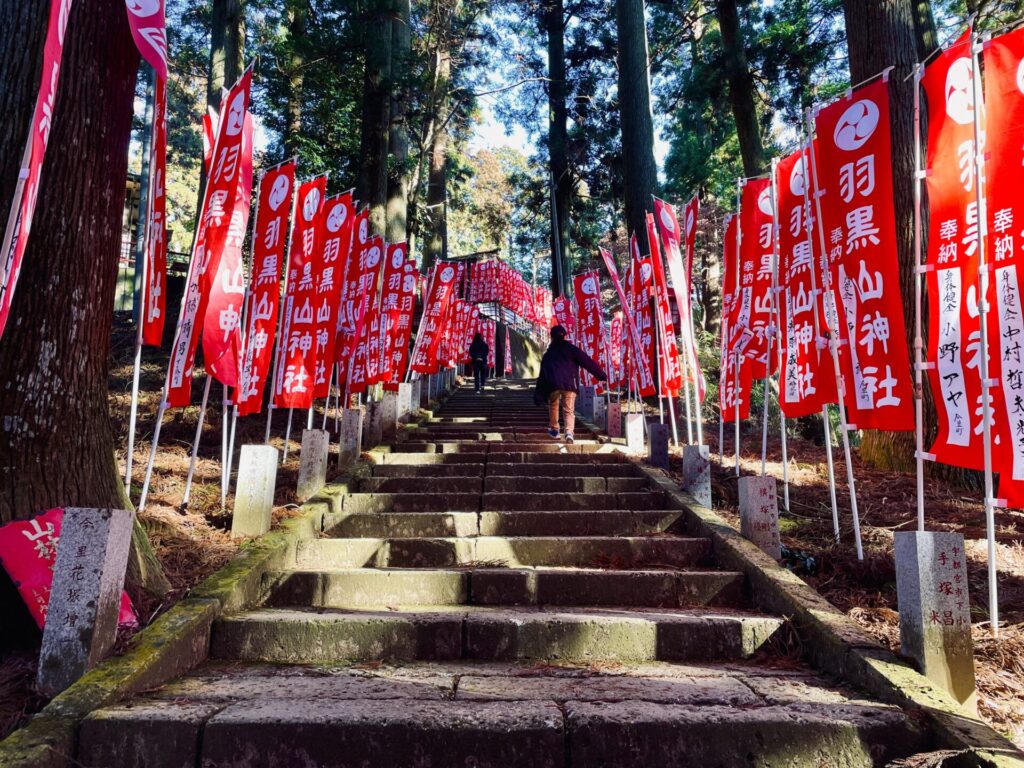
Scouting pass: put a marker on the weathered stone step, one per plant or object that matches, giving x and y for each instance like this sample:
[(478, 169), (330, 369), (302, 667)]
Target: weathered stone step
[(491, 448), (361, 587), (563, 469), (494, 483), (410, 502), (510, 523), (291, 635), (386, 456), (582, 501), (448, 485), (428, 470), (563, 551)]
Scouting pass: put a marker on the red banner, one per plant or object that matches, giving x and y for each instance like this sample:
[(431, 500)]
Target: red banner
[(954, 342), (616, 371), (645, 379), (390, 307), (756, 252), (1004, 103), (808, 376), (734, 380), (19, 221), (508, 353), (268, 246), (293, 383), (222, 328), (564, 315), (589, 319), (352, 295), (146, 19), (641, 278), (428, 342), (154, 289), (367, 314), (402, 332), (670, 375), (214, 227), (334, 241), (853, 154), (681, 275)]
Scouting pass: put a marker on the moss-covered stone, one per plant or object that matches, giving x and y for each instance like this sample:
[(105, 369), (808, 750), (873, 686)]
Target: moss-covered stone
[(45, 742)]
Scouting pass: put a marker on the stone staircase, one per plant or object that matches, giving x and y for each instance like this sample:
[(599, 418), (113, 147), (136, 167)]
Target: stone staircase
[(490, 597)]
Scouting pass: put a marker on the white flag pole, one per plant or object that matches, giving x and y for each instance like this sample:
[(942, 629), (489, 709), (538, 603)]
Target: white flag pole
[(737, 361), (833, 344), (983, 309), (287, 435), (776, 321), (918, 299), (225, 418), (195, 441)]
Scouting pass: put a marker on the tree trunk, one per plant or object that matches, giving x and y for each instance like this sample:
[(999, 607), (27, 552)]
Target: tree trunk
[(57, 444), (227, 48), (640, 174), (711, 272), (373, 144), (926, 36), (880, 33), (399, 170), (435, 245), (554, 24), (741, 88), (296, 70)]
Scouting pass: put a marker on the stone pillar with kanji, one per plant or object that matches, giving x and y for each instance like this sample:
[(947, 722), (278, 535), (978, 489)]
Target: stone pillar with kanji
[(759, 513)]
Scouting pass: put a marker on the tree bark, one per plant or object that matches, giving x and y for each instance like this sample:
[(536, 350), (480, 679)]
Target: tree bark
[(640, 174), (926, 36), (741, 88), (56, 440), (881, 33), (296, 75), (227, 48), (399, 170), (373, 144), (435, 245), (554, 24)]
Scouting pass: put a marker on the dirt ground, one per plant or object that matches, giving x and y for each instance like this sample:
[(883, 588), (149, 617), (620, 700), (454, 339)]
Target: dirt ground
[(866, 590)]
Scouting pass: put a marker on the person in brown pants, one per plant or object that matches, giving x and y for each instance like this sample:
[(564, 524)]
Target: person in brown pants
[(559, 381)]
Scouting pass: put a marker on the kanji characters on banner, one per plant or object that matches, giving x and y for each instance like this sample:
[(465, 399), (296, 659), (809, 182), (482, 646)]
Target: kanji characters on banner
[(146, 19), (1004, 101), (154, 289), (670, 375), (269, 240), (367, 317), (616, 371), (19, 222), (954, 339), (442, 288), (353, 295), (754, 311), (734, 384), (293, 383), (390, 309), (402, 332), (564, 315), (589, 319), (213, 228), (334, 241), (508, 353), (639, 282), (645, 379), (853, 154), (808, 375), (222, 330)]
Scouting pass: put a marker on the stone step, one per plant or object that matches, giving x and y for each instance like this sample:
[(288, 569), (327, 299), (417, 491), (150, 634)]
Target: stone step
[(499, 502), (494, 483), (563, 551), (362, 587), (398, 456), (510, 523), (387, 457), (555, 469), (428, 470), (291, 635), (410, 502), (447, 485)]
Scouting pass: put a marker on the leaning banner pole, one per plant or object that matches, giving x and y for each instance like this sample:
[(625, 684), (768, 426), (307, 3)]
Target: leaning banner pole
[(983, 309), (738, 361), (919, 364), (833, 343), (775, 329)]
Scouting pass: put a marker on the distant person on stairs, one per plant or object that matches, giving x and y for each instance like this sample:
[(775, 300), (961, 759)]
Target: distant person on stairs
[(559, 381), (478, 351)]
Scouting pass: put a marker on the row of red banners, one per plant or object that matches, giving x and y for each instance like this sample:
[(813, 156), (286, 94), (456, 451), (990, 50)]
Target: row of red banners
[(837, 267)]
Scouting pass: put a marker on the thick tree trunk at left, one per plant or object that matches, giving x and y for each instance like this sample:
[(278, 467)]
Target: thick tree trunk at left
[(554, 24), (56, 441), (296, 75), (640, 174), (373, 144), (399, 170), (741, 88), (227, 48)]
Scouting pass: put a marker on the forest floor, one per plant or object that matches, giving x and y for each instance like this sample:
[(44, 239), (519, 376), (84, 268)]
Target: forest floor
[(866, 590)]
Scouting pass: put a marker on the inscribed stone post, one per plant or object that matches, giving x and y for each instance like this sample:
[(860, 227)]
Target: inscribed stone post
[(389, 414), (935, 612), (697, 473), (600, 412), (657, 454), (254, 494), (375, 415), (759, 513), (635, 432), (351, 436), (419, 393), (85, 597), (316, 445), (405, 401), (585, 402), (614, 419)]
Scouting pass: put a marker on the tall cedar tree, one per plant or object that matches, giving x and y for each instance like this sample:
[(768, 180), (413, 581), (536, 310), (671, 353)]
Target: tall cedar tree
[(741, 88), (373, 145), (554, 25), (399, 170), (57, 443)]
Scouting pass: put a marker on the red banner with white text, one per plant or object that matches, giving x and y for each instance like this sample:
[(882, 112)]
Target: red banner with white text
[(589, 319), (442, 289), (146, 20), (853, 154), (645, 379), (734, 378), (754, 311), (154, 289), (334, 242)]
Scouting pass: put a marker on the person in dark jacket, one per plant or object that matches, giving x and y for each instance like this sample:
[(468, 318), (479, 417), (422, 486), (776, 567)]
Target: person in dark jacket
[(559, 381), (478, 351)]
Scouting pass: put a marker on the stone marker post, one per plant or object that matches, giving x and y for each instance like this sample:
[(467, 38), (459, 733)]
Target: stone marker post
[(600, 412), (351, 437), (935, 613), (420, 393), (316, 446), (759, 513), (614, 419), (657, 454), (85, 598), (585, 402), (389, 414), (635, 432), (405, 401), (376, 416), (697, 473), (254, 494)]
